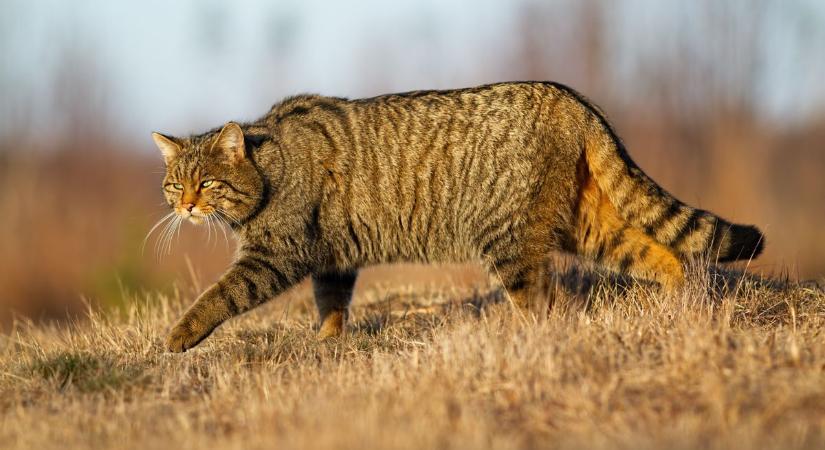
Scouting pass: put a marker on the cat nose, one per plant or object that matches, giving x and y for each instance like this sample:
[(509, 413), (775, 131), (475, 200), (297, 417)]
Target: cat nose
[(188, 206)]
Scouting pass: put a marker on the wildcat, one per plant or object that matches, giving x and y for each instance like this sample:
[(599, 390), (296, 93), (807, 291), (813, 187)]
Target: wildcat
[(501, 174)]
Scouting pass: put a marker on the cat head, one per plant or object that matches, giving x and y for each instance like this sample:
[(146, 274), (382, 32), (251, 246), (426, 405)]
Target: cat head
[(211, 174)]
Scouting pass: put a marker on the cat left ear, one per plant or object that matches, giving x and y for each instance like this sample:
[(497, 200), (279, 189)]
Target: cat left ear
[(167, 146), (230, 142)]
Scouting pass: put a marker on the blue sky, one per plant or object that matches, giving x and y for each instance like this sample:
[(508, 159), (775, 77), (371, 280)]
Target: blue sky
[(184, 66)]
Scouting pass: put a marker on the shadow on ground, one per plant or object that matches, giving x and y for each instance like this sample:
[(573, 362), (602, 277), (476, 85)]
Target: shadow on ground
[(577, 285)]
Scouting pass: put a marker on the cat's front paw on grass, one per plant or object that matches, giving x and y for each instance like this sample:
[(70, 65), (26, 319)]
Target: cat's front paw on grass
[(182, 338)]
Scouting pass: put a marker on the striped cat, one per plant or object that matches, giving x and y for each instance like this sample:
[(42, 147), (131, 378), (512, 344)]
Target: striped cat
[(502, 174)]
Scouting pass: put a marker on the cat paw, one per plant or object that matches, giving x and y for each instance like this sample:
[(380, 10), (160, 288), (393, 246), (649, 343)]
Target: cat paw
[(332, 325), (182, 338)]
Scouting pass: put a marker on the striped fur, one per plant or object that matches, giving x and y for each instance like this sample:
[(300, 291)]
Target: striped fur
[(688, 231), (502, 174)]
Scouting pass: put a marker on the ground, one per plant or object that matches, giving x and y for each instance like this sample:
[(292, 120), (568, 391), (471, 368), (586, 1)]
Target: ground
[(729, 362)]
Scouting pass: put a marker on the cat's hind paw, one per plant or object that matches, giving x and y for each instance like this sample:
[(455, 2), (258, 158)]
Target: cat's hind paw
[(332, 325)]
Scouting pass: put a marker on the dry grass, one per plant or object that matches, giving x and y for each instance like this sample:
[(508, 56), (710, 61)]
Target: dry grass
[(736, 365)]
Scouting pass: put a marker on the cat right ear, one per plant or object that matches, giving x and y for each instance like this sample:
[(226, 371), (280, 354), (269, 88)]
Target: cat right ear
[(167, 146)]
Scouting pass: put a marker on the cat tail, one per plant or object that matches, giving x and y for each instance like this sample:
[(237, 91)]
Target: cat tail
[(690, 232)]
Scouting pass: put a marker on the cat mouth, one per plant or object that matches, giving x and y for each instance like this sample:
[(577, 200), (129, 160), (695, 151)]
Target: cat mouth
[(195, 216)]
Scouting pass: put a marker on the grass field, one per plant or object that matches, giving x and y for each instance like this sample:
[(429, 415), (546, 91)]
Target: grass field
[(716, 101), (729, 362)]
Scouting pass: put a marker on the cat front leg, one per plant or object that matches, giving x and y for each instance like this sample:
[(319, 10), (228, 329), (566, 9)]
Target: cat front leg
[(252, 280)]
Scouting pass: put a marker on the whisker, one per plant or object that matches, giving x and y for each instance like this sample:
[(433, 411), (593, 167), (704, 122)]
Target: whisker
[(160, 245), (222, 225), (161, 238), (226, 215), (222, 216), (213, 223), (154, 227), (175, 230), (219, 226), (208, 229), (166, 244)]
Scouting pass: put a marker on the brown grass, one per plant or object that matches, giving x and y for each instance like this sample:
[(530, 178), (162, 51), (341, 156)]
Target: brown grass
[(434, 359), (726, 363)]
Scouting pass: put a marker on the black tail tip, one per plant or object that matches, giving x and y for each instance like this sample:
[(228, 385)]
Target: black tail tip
[(746, 242)]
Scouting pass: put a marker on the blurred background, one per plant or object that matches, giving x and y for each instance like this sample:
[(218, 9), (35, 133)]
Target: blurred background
[(723, 103)]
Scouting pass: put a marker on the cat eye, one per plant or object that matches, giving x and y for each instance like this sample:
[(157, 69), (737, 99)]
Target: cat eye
[(177, 186), (206, 184)]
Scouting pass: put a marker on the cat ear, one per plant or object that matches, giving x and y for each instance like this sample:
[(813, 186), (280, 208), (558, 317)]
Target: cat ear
[(230, 142), (167, 146)]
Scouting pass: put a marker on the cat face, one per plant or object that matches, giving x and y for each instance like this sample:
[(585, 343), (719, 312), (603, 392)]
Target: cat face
[(210, 176)]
